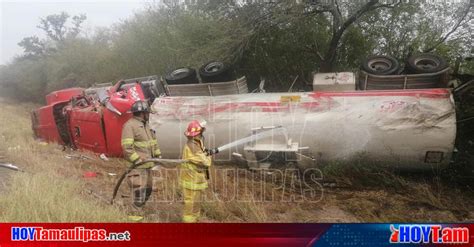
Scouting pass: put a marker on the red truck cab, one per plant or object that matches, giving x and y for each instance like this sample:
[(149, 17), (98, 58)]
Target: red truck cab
[(89, 119)]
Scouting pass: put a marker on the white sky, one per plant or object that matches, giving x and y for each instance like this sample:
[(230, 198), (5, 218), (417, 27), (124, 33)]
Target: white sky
[(18, 19)]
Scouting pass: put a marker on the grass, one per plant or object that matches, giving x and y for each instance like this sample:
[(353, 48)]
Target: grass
[(50, 190), (385, 195), (49, 198)]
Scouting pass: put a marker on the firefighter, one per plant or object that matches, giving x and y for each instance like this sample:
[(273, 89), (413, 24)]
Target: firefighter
[(194, 172), (139, 144)]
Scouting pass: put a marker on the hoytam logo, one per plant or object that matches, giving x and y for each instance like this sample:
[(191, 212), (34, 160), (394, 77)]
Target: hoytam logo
[(429, 234), (75, 234)]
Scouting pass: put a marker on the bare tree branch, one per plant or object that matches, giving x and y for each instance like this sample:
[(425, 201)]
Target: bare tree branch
[(331, 53), (337, 16), (446, 36), (337, 8)]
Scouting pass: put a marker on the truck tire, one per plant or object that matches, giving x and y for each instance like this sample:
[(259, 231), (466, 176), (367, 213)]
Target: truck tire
[(182, 76), (426, 63), (380, 65), (216, 71)]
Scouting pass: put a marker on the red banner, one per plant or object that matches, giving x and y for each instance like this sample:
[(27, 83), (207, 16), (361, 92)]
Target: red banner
[(171, 234)]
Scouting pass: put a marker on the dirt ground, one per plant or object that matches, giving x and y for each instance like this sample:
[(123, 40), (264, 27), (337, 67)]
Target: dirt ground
[(424, 197)]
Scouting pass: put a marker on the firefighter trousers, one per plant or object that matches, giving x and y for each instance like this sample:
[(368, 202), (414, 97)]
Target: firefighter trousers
[(192, 205), (140, 182)]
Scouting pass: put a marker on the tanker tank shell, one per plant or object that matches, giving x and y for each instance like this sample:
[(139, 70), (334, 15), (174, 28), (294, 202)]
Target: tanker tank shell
[(403, 128)]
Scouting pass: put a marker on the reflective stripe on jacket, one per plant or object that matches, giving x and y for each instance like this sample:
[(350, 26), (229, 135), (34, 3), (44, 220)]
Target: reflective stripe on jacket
[(138, 142), (193, 172)]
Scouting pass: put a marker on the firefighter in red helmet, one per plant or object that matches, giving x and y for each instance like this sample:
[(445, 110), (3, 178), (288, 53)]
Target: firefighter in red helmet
[(194, 172)]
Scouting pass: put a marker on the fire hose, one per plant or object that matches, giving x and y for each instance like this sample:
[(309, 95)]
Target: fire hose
[(120, 180), (251, 138)]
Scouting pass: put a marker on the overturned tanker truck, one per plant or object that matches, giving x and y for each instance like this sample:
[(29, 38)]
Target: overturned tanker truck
[(402, 120)]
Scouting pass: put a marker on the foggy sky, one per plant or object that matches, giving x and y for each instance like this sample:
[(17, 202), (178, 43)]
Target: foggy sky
[(18, 19)]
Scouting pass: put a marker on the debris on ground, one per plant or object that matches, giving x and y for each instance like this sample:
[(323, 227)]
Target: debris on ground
[(103, 157), (135, 218), (78, 156), (10, 166), (90, 174), (14, 148)]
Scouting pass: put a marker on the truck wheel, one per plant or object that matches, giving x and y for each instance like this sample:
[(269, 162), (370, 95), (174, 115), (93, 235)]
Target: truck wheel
[(182, 76), (216, 71), (380, 65), (426, 63)]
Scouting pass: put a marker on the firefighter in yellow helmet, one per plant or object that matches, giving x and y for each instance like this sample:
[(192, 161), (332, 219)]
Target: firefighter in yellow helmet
[(138, 144), (194, 172)]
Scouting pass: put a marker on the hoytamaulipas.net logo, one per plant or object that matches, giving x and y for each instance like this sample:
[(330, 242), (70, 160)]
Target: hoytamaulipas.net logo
[(412, 233), (74, 234)]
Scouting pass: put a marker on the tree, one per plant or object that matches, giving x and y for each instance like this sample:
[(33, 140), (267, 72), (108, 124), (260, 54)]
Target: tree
[(33, 46), (416, 27), (278, 40), (56, 29), (464, 19), (341, 24)]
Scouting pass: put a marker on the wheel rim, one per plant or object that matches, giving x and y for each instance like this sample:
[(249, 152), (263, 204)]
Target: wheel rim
[(380, 64), (213, 67), (180, 72), (426, 63)]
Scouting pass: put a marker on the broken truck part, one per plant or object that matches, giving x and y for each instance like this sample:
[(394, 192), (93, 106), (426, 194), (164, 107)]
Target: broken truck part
[(11, 167)]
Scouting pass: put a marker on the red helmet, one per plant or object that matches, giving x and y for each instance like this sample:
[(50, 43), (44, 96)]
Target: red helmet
[(194, 128)]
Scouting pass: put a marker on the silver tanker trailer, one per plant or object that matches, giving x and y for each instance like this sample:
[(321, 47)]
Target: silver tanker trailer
[(408, 128)]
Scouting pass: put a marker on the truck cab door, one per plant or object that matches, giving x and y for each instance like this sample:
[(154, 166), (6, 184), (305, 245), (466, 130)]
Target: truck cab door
[(87, 130)]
